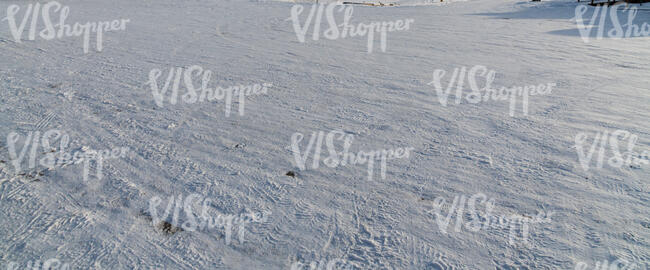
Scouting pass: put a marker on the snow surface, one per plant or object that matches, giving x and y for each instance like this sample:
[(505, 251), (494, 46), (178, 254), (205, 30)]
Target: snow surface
[(526, 163)]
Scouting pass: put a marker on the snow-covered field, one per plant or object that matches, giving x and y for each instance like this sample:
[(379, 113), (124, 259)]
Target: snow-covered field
[(479, 185)]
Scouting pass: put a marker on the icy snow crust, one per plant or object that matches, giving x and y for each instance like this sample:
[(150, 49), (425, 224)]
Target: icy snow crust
[(526, 163)]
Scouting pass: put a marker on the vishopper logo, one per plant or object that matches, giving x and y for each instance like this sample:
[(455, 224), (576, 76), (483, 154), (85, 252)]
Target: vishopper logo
[(630, 29), (333, 264), (344, 158), (191, 222), (621, 264), (617, 159), (345, 29), (483, 220), (60, 30), (52, 158), (441, 2), (206, 93), (50, 264), (459, 76)]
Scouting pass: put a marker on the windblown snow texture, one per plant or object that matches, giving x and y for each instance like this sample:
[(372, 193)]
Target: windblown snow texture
[(526, 163)]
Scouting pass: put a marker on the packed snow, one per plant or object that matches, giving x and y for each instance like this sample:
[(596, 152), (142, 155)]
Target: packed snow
[(324, 136)]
